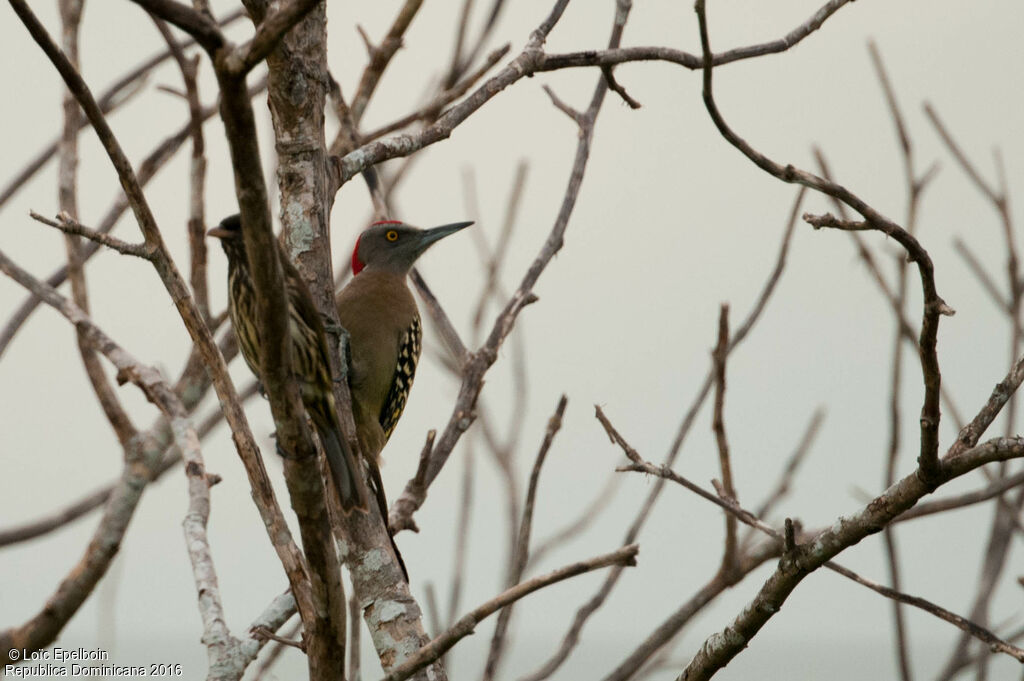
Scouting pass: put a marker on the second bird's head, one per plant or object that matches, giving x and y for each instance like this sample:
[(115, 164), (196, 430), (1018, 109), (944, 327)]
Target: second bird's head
[(229, 231), (392, 246)]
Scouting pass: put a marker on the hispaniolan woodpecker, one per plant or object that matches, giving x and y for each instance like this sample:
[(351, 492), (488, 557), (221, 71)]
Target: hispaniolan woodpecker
[(379, 313)]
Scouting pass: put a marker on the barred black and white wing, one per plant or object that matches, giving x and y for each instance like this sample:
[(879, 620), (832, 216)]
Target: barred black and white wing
[(405, 371)]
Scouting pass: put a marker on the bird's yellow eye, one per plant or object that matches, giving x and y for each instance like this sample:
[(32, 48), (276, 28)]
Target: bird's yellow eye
[(391, 235)]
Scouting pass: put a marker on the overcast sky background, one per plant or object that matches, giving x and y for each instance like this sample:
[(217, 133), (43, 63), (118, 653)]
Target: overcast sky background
[(671, 222)]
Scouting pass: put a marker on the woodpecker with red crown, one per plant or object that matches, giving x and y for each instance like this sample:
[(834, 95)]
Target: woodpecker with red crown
[(379, 313)]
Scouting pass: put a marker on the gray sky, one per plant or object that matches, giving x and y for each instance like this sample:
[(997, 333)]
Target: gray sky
[(671, 222)]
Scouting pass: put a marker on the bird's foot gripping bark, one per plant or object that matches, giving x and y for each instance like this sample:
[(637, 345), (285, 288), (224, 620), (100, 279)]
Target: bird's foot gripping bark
[(342, 339), (281, 452)]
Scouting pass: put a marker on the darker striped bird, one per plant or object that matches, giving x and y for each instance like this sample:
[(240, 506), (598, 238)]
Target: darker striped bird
[(310, 363)]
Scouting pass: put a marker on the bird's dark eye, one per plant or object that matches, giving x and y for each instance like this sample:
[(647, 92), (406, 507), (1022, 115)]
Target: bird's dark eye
[(391, 235)]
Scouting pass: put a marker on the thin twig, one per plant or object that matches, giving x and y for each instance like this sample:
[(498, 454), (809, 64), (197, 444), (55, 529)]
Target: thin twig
[(982, 274), (380, 57), (189, 69), (69, 225), (443, 323), (142, 454), (67, 196), (435, 107), (522, 552), (461, 537), (626, 556), (994, 489), (730, 555)]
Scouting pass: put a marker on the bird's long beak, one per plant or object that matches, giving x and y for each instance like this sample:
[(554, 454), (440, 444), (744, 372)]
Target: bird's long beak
[(429, 236), (219, 232)]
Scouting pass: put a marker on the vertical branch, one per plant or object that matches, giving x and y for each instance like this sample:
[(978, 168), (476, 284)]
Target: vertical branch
[(730, 556), (522, 552), (298, 82), (461, 536), (1004, 523), (197, 172), (323, 623), (914, 190), (67, 192)]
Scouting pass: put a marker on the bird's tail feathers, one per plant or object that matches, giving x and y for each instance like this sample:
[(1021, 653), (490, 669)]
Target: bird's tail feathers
[(342, 463), (382, 503), (344, 469)]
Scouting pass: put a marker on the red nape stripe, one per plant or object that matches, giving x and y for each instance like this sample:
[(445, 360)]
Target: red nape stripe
[(386, 222), (357, 264)]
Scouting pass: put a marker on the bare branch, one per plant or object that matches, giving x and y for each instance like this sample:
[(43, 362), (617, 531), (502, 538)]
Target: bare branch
[(907, 331), (399, 520), (933, 304), (611, 57), (444, 325), (481, 360), (436, 106), (461, 537), (615, 87), (197, 220), (380, 57), (69, 225), (994, 643), (982, 274), (626, 556), (142, 454), (402, 145), (673, 624), (961, 158), (914, 189), (993, 490), (93, 500), (522, 552), (730, 557), (67, 196), (802, 559)]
